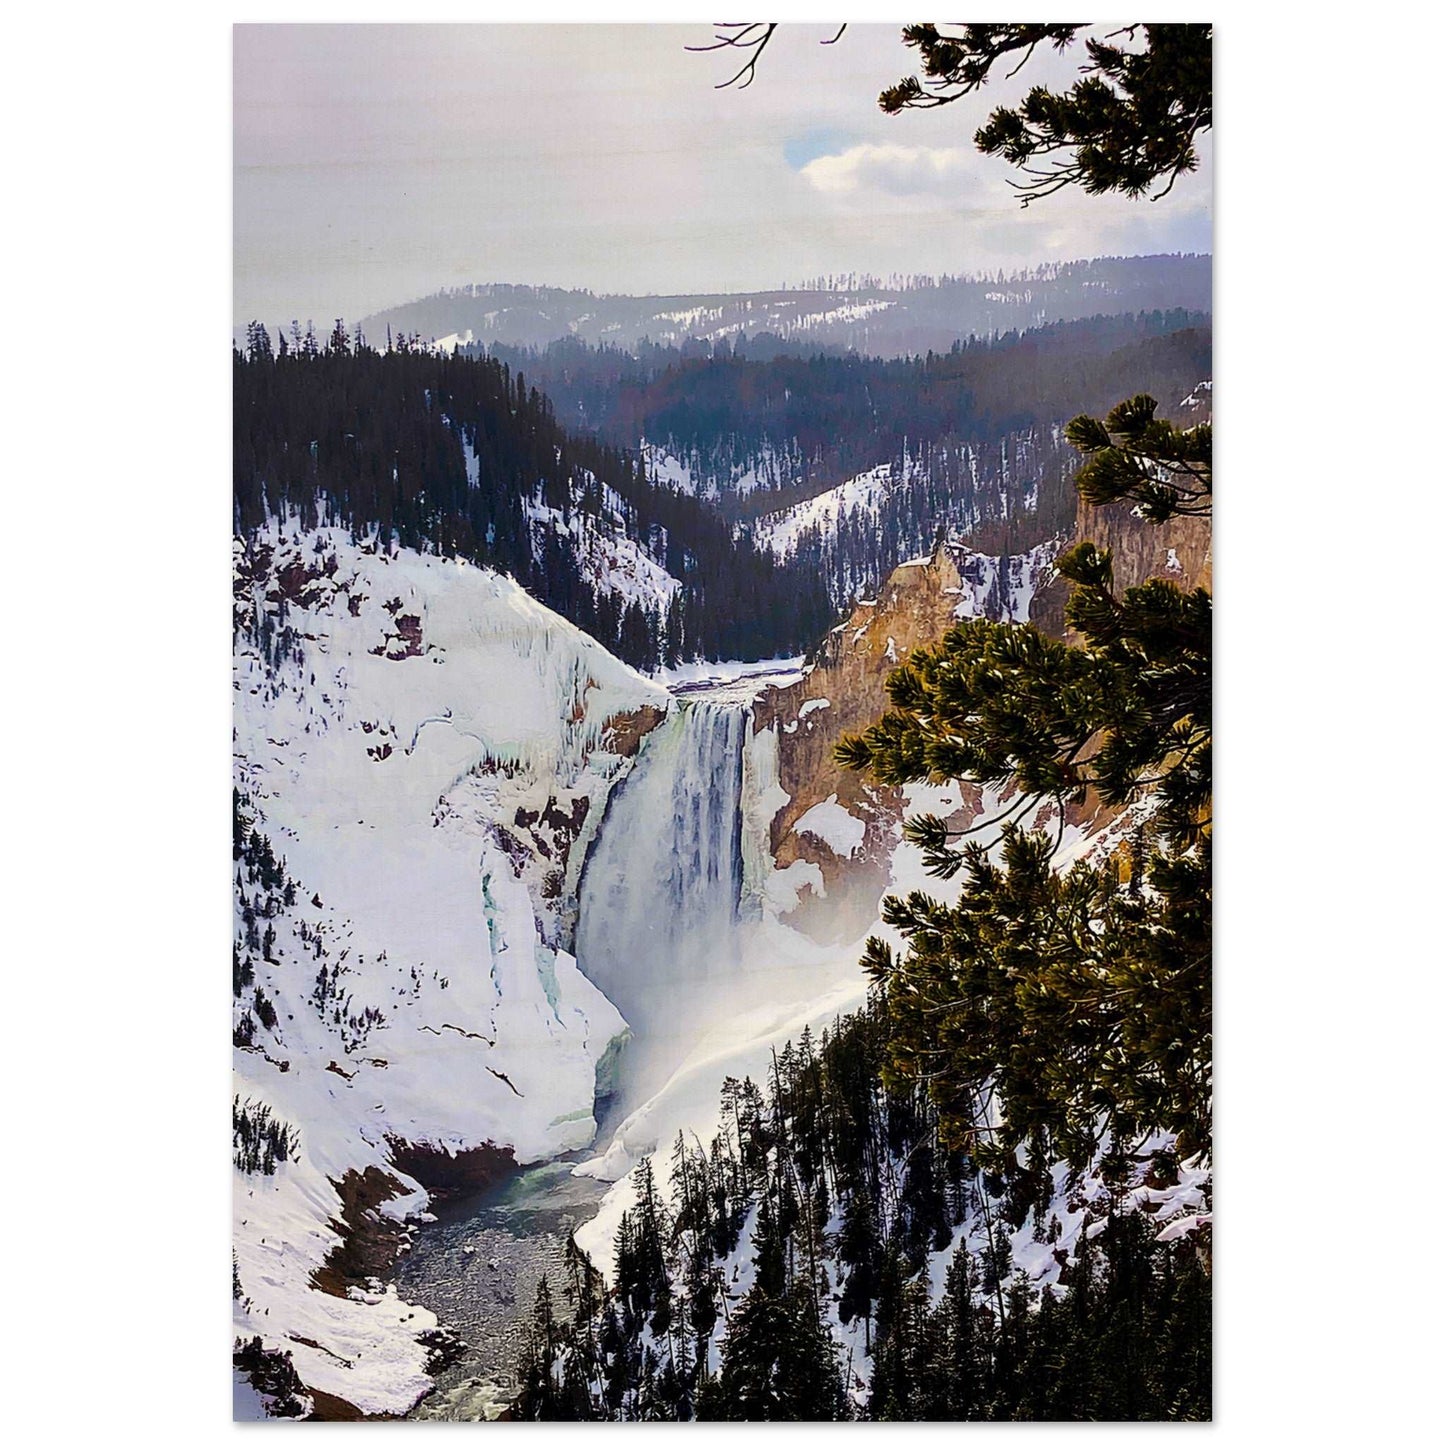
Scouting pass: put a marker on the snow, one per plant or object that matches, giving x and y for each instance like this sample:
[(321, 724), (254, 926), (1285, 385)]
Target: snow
[(740, 1043), (1002, 588), (784, 981), (760, 1012), (706, 477), (606, 557), (434, 705), (733, 681), (763, 797), (247, 1402), (849, 311), (452, 340), (783, 888), (1183, 1227), (859, 495), (431, 702), (834, 825)]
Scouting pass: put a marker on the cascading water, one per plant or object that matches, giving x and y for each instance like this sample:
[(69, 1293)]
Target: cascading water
[(658, 909)]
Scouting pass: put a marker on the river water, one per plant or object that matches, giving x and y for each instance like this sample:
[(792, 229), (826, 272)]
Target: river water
[(477, 1268)]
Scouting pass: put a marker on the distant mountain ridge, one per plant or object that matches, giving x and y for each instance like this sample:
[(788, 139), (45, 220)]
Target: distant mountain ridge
[(905, 318)]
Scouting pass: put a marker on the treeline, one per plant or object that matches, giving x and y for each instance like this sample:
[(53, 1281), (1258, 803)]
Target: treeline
[(832, 1194), (921, 314), (455, 455)]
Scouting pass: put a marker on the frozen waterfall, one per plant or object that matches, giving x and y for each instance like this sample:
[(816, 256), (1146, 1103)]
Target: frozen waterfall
[(658, 913)]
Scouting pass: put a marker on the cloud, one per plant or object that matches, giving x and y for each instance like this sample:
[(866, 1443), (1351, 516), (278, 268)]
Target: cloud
[(892, 170)]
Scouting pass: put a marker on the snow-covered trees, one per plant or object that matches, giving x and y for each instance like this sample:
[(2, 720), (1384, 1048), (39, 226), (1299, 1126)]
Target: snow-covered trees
[(259, 1140), (457, 456)]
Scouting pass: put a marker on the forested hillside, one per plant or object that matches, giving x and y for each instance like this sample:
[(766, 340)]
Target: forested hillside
[(761, 432), (827, 1258), (987, 1196), (460, 457)]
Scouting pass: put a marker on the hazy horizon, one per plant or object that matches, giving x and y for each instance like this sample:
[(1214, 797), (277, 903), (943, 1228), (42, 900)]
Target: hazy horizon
[(376, 165)]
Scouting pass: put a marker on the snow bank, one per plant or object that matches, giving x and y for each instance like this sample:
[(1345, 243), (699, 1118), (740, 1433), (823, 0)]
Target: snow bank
[(421, 743), (833, 825)]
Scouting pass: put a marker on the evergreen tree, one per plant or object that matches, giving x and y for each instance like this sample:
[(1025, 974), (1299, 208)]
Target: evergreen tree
[(779, 1363), (1129, 123)]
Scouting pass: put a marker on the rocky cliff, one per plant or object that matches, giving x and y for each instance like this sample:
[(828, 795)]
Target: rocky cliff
[(846, 825), (1180, 551), (844, 693)]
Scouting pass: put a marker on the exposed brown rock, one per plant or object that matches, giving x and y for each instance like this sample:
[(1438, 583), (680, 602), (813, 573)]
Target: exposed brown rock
[(914, 606), (464, 1172), (626, 730), (369, 1241)]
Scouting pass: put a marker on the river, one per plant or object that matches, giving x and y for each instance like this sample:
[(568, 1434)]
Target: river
[(477, 1268)]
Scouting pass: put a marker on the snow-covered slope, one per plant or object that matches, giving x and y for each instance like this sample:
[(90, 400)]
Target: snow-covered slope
[(874, 315), (857, 497), (763, 1014), (421, 752), (746, 1041), (1001, 588), (713, 477), (604, 556), (804, 796)]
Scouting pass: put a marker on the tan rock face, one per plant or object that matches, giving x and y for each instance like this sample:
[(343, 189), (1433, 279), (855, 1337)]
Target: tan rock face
[(915, 606), (1179, 551), (626, 730)]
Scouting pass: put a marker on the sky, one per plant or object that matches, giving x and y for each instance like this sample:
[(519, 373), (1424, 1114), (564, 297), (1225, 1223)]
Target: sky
[(374, 164)]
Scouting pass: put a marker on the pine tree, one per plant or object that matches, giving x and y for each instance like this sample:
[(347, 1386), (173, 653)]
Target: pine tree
[(1128, 124), (779, 1363)]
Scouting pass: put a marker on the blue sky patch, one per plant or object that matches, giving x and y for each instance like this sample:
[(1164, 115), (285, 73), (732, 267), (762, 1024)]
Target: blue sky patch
[(814, 143)]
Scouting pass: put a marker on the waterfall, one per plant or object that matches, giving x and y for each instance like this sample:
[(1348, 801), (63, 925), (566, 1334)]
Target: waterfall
[(659, 897)]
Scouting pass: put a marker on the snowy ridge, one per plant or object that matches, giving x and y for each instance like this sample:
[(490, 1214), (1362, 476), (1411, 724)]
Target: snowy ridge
[(895, 315), (856, 533), (422, 749), (858, 496)]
